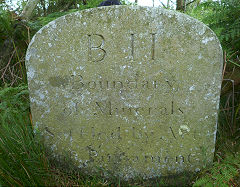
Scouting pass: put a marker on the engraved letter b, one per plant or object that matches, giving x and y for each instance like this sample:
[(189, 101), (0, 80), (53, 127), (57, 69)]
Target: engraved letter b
[(96, 53)]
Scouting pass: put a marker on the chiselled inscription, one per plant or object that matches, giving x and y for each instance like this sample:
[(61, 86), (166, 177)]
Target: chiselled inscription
[(109, 109), (159, 159), (77, 82), (132, 46), (133, 133), (96, 52), (153, 45)]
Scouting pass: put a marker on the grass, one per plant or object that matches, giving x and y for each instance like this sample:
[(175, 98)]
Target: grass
[(224, 172), (22, 158), (24, 161), (226, 168)]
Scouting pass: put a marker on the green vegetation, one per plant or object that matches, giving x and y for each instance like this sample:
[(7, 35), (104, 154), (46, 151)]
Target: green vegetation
[(14, 39), (24, 160), (223, 173), (223, 17)]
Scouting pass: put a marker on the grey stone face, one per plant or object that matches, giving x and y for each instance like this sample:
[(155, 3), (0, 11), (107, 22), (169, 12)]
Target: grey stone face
[(131, 90)]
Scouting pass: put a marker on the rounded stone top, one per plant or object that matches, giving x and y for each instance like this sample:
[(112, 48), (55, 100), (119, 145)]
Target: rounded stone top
[(112, 18), (128, 89)]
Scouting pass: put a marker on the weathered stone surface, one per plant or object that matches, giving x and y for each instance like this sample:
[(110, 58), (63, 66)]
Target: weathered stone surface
[(130, 90)]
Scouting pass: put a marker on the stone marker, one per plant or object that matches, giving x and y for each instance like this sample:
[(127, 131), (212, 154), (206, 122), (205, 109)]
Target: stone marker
[(133, 91)]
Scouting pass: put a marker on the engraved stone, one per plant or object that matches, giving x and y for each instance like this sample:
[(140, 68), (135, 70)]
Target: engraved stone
[(133, 91)]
